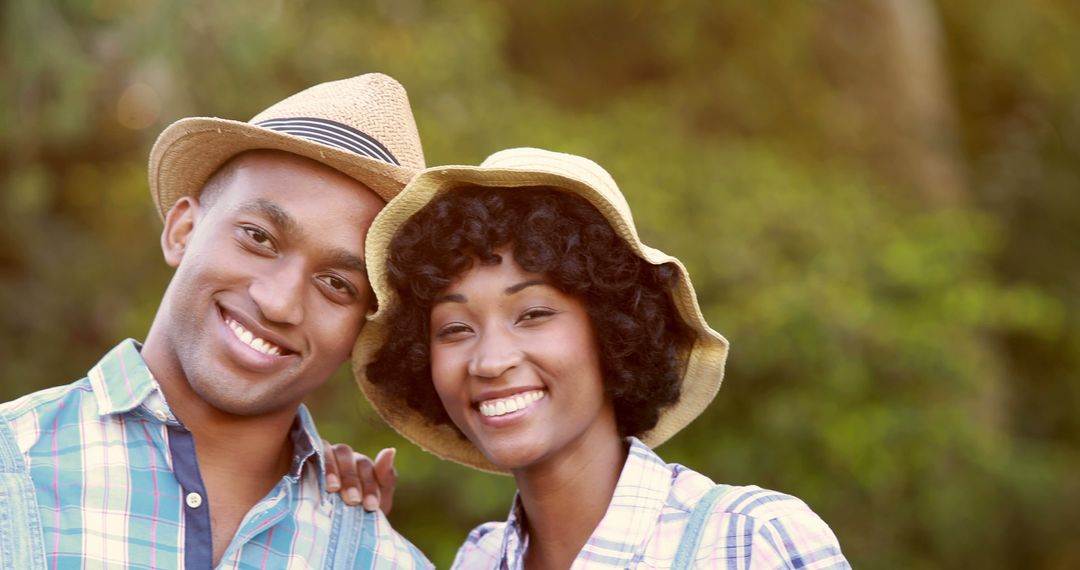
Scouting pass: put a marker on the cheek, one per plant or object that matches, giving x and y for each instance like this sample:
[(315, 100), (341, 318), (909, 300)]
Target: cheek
[(441, 372), (447, 378), (339, 330)]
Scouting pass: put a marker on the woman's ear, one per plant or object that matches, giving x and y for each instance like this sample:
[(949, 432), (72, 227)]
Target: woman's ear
[(179, 227)]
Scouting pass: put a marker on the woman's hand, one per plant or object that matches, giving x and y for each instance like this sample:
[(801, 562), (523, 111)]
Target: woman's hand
[(359, 480)]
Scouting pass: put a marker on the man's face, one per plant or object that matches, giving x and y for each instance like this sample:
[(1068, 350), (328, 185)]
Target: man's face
[(270, 289)]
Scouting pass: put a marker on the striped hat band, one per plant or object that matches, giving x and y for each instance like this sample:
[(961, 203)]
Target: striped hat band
[(332, 133)]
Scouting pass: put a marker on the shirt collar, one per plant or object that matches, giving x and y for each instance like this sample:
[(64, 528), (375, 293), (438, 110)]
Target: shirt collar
[(122, 383), (121, 380), (640, 494), (307, 446), (514, 540)]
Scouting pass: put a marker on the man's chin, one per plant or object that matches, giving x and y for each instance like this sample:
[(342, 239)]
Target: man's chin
[(247, 404)]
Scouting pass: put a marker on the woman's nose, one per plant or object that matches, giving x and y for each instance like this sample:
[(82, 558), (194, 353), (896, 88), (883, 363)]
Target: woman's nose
[(495, 355)]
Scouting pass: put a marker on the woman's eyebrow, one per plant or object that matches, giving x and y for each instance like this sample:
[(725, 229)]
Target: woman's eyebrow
[(515, 288), (449, 298), (459, 298)]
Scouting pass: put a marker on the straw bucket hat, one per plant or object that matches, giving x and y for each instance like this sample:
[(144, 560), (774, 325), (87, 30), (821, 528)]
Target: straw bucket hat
[(361, 126), (510, 169)]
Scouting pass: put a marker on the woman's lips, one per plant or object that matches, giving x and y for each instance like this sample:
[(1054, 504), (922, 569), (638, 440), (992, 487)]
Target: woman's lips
[(497, 407)]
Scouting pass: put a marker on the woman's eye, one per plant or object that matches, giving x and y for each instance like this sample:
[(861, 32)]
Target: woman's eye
[(451, 330), (536, 313)]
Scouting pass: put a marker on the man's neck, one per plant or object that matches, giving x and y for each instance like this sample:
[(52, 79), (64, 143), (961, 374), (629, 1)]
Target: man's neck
[(240, 463), (241, 458)]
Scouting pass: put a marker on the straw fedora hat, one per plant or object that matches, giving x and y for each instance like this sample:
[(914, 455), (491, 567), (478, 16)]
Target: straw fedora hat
[(361, 126), (509, 169)]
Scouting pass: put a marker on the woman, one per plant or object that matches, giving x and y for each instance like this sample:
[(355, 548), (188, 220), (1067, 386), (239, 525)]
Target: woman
[(523, 328)]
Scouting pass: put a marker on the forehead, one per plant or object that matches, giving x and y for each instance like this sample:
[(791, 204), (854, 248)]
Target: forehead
[(297, 192), (506, 273)]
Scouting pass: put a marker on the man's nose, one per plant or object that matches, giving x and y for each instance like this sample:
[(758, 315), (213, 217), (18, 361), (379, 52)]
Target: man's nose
[(279, 294), (496, 354)]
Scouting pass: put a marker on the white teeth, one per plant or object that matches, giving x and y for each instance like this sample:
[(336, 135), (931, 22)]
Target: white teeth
[(262, 345), (492, 408)]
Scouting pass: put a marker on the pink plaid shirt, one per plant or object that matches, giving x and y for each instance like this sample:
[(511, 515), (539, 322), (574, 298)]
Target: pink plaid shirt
[(750, 527)]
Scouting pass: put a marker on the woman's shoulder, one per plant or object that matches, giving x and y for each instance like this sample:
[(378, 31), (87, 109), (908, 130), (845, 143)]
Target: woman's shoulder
[(755, 524), (689, 487)]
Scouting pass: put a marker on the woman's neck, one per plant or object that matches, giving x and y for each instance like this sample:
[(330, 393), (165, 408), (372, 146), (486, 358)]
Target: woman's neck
[(565, 498)]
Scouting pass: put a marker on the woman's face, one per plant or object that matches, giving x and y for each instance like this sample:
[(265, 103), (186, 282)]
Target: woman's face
[(515, 363)]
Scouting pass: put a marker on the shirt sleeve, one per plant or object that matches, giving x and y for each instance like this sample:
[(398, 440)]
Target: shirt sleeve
[(759, 529), (799, 539), (373, 543)]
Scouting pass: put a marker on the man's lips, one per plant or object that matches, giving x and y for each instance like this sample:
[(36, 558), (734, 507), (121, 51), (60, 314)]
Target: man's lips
[(256, 341)]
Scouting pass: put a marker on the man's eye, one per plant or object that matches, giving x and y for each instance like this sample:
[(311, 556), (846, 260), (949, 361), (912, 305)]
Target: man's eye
[(259, 237), (338, 284)]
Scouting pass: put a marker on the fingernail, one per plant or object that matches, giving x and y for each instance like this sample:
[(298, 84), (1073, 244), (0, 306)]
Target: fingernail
[(332, 482), (352, 496), (371, 504)]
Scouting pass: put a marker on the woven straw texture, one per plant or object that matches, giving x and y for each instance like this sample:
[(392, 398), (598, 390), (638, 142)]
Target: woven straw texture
[(190, 150), (510, 169)]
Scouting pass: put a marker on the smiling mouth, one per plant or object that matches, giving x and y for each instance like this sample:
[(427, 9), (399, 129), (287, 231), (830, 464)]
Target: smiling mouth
[(503, 406), (259, 344)]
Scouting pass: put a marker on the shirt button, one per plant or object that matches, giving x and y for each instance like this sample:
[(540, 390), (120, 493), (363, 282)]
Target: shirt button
[(161, 415), (194, 500)]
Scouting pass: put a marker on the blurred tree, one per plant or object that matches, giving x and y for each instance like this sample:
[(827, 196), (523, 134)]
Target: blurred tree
[(877, 200)]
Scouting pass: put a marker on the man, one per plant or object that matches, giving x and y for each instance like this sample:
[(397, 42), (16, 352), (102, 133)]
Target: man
[(193, 450)]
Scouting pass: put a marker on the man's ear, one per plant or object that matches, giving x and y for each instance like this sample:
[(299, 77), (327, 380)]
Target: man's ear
[(179, 227)]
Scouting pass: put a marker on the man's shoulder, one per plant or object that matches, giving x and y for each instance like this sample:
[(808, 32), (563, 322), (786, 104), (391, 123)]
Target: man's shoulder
[(366, 540), (27, 417), (46, 399)]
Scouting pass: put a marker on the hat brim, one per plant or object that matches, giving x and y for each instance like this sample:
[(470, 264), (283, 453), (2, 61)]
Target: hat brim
[(190, 150), (705, 360)]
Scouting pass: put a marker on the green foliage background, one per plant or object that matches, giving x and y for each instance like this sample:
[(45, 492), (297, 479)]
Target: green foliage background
[(885, 227)]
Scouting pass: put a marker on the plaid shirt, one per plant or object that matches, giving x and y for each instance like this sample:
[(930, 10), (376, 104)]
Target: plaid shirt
[(117, 485), (750, 527)]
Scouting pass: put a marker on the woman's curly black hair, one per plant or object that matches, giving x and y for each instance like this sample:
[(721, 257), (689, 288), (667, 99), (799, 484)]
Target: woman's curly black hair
[(639, 332)]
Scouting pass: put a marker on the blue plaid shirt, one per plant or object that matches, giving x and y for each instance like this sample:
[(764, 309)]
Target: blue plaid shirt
[(117, 485), (749, 528)]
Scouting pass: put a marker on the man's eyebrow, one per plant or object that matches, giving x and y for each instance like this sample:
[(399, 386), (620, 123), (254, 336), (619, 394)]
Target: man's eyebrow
[(345, 260), (515, 288), (275, 213)]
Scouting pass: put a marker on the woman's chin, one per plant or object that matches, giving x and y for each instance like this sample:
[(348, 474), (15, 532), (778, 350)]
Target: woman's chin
[(512, 457)]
